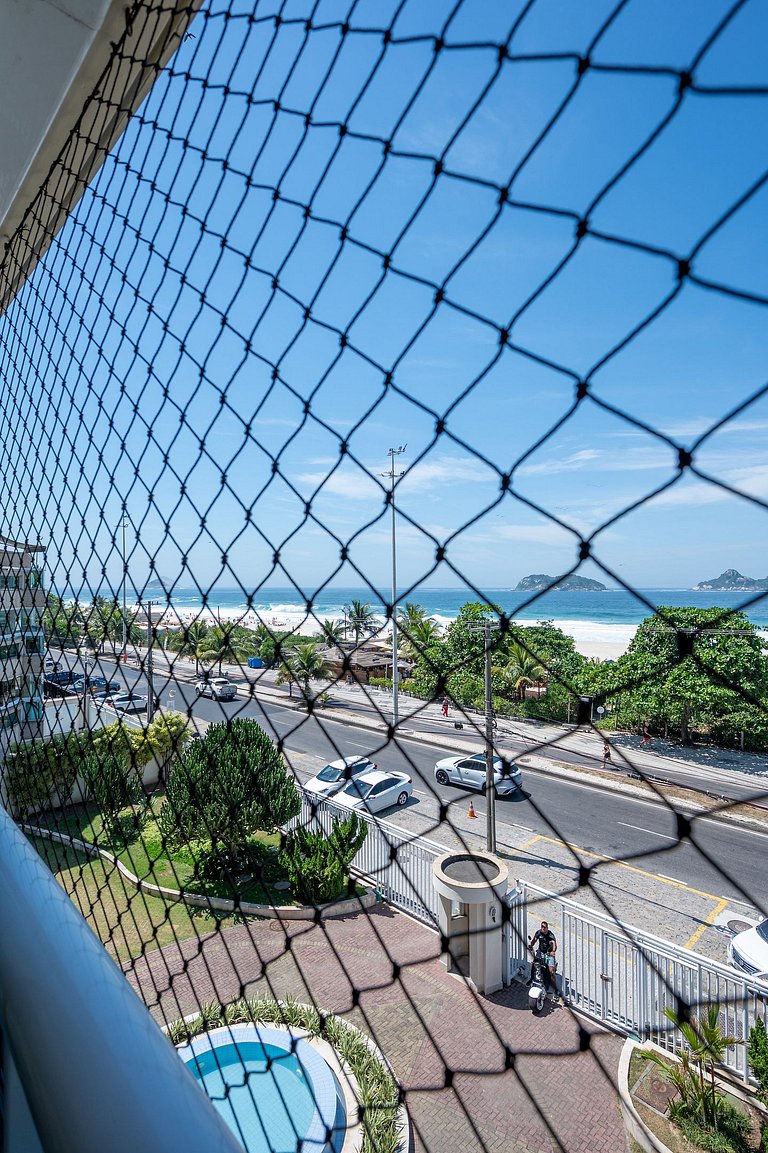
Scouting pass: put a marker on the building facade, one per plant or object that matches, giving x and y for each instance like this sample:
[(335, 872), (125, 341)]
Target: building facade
[(22, 600)]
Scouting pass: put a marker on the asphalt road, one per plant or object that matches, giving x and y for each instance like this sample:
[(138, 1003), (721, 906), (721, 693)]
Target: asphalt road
[(573, 823)]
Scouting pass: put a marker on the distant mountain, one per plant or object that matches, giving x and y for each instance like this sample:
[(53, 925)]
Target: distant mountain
[(732, 581), (536, 582)]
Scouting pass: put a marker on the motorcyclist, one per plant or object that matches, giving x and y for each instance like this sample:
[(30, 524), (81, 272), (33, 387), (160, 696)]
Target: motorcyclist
[(544, 941)]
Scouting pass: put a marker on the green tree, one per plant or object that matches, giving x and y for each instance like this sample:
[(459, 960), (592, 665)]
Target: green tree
[(60, 621), (417, 630), (757, 1051), (331, 633), (362, 619), (114, 785), (189, 641), (318, 863), (688, 667), (41, 775), (228, 643), (302, 664), (520, 670), (224, 788)]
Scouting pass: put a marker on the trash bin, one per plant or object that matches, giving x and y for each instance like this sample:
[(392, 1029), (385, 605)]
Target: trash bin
[(255, 663)]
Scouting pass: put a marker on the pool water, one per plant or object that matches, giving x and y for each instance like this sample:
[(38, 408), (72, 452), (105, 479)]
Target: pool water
[(261, 1092)]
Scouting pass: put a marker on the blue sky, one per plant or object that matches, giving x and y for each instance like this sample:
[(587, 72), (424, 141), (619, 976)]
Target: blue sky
[(118, 342)]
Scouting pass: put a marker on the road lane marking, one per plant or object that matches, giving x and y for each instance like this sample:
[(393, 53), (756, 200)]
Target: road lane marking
[(630, 868), (651, 832), (705, 924)]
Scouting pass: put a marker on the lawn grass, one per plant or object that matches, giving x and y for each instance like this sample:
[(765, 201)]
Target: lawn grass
[(127, 922)]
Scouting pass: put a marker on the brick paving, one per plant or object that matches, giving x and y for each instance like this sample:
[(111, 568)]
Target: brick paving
[(480, 1073)]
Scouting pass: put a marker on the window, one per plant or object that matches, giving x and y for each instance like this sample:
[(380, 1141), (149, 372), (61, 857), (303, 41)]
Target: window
[(9, 651), (8, 579)]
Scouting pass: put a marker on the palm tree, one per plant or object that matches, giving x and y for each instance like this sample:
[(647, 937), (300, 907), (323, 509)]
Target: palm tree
[(521, 669), (418, 631), (362, 619), (302, 663), (331, 632), (189, 641), (228, 643)]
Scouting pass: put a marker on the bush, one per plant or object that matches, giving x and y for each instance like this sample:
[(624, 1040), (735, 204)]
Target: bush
[(731, 1136), (757, 1051), (225, 788), (228, 865), (42, 774), (114, 785), (318, 865)]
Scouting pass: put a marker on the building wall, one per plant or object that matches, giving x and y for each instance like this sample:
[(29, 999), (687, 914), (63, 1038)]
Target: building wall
[(22, 600)]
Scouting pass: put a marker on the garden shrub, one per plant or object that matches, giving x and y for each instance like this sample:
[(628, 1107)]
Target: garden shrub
[(318, 864)]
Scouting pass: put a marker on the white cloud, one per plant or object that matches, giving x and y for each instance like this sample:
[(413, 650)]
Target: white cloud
[(752, 480), (572, 463)]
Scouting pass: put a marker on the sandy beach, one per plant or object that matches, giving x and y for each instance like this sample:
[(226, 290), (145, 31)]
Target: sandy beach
[(592, 638)]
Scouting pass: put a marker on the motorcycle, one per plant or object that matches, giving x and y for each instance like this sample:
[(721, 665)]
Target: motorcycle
[(537, 988)]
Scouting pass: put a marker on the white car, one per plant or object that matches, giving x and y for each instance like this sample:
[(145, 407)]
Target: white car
[(748, 951), (470, 772), (374, 791), (337, 774), (128, 703), (218, 688)]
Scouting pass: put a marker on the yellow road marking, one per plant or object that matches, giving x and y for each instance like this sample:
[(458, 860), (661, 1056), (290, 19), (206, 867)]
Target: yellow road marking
[(630, 868), (520, 848), (709, 920)]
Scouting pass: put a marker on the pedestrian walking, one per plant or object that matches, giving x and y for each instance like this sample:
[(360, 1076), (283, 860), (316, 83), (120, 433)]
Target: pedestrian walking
[(646, 737), (607, 760), (445, 706)]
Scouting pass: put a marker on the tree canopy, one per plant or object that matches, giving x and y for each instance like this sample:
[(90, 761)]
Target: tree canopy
[(226, 787)]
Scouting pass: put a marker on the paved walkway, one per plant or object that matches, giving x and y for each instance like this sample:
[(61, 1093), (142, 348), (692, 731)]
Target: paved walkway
[(480, 1073)]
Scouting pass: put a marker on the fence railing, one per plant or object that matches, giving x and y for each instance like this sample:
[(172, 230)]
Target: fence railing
[(626, 978), (398, 865)]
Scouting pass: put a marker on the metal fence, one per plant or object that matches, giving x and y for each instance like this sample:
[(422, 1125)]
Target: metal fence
[(398, 866), (626, 978)]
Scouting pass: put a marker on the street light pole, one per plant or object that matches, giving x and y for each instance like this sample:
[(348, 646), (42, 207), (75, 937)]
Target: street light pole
[(490, 784), (123, 526), (393, 476)]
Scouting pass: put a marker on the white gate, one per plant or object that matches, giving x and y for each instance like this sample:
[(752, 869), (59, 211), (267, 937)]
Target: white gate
[(626, 978)]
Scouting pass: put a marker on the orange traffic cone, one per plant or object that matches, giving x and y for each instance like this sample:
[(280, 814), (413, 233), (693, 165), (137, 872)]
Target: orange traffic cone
[(471, 812)]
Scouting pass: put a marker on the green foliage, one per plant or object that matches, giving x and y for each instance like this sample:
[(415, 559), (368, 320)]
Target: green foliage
[(41, 774), (228, 865), (318, 864), (757, 1052), (115, 785), (731, 1135), (689, 667), (301, 664), (226, 787), (694, 1075)]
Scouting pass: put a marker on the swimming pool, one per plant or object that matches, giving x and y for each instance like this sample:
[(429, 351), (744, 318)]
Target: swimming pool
[(271, 1087)]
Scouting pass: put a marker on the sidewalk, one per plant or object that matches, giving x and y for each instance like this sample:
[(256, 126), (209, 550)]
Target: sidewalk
[(479, 1073)]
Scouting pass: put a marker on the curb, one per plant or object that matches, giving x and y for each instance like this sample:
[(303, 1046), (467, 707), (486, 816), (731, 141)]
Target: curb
[(315, 913), (633, 1122)]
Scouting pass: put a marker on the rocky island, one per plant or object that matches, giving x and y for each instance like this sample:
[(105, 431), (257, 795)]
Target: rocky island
[(537, 582), (732, 581)]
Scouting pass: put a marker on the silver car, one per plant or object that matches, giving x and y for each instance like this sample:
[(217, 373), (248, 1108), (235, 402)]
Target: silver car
[(335, 775), (218, 688), (470, 772)]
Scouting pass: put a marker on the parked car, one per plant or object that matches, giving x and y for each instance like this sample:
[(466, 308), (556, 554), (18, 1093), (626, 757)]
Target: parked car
[(335, 775), (374, 791), (128, 702), (51, 666), (471, 772), (97, 686), (218, 688), (63, 678), (748, 951)]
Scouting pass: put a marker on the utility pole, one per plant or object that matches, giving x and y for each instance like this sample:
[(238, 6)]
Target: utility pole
[(393, 477), (490, 784), (123, 526), (150, 659)]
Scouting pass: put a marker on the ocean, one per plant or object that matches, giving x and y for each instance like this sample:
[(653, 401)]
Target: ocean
[(613, 607)]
